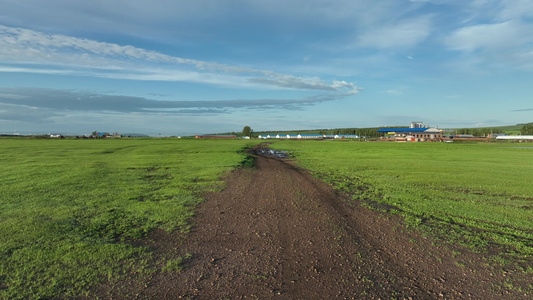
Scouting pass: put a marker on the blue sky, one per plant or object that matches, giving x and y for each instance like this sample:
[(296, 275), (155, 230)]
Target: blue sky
[(205, 66)]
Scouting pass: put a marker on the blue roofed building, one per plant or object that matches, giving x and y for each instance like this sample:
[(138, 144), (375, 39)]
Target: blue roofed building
[(415, 133)]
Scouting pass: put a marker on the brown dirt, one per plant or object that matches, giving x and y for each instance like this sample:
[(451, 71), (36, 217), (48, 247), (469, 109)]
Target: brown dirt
[(276, 232)]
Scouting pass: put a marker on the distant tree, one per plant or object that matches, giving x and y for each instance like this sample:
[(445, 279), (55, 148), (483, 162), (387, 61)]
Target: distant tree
[(527, 129), (464, 131), (247, 131)]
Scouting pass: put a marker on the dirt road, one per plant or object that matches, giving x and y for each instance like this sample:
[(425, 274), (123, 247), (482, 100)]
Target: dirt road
[(276, 232)]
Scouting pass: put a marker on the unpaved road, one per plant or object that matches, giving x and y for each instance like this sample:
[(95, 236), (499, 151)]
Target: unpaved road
[(276, 232)]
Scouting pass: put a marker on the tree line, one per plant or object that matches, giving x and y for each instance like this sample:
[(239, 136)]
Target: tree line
[(527, 129), (478, 131), (363, 132)]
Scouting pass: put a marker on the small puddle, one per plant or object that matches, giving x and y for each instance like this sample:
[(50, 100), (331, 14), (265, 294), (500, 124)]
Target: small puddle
[(271, 153)]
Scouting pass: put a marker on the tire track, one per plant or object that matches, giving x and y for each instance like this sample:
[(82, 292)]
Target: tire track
[(276, 232)]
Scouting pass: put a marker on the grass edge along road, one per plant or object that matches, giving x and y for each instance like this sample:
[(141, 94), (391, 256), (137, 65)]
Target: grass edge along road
[(476, 195), (71, 210)]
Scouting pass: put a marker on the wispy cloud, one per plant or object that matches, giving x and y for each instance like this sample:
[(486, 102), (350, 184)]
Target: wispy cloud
[(82, 101), (403, 33), (497, 33), (503, 35), (513, 9), (394, 92), (23, 50)]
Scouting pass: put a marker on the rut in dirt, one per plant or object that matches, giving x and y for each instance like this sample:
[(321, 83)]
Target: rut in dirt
[(277, 232)]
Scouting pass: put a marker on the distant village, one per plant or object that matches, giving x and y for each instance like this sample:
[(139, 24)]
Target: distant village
[(415, 132), (419, 132), (93, 135)]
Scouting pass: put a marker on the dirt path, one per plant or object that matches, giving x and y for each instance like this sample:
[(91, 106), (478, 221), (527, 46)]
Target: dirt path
[(277, 232)]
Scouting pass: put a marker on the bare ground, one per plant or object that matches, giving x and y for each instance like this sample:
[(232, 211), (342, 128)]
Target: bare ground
[(276, 232)]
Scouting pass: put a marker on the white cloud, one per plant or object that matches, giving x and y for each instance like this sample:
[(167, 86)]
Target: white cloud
[(490, 36), (179, 21), (495, 34), (516, 9), (59, 54)]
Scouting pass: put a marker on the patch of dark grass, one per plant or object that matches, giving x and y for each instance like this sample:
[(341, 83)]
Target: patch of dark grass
[(177, 264), (248, 160)]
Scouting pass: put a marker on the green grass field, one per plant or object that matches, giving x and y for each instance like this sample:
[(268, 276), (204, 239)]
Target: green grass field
[(69, 208), (478, 195)]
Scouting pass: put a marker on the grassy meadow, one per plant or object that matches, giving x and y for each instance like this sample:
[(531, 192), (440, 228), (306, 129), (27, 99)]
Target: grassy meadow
[(69, 209), (477, 195)]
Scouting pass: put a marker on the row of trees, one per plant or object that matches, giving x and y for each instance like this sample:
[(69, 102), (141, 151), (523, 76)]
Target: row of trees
[(527, 129), (478, 131), (366, 132)]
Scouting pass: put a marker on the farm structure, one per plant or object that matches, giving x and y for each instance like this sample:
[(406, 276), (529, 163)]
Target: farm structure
[(528, 138), (413, 134), (307, 136), (341, 136), (215, 136), (464, 137), (101, 135)]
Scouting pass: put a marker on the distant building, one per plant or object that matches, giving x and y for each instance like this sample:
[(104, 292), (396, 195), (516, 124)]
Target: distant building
[(291, 136), (341, 136), (215, 136), (515, 137), (416, 124), (308, 136), (98, 134), (417, 132)]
